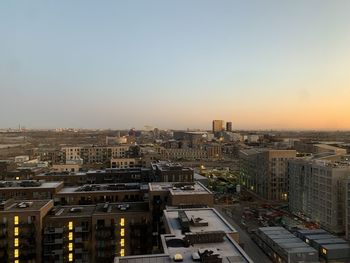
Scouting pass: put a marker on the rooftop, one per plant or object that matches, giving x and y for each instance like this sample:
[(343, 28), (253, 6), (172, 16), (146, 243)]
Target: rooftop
[(24, 205), (106, 208), (102, 188), (179, 188), (28, 184), (169, 166), (208, 220)]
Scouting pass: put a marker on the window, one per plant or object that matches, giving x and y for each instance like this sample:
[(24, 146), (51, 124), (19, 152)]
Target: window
[(70, 225), (122, 242), (16, 242), (16, 253), (16, 231), (70, 246), (16, 220), (122, 232), (122, 221), (70, 236), (70, 257)]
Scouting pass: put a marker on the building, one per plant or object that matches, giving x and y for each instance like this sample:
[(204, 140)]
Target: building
[(20, 230), (101, 193), (317, 189), (195, 234), (96, 233), (330, 248), (109, 175), (29, 190), (283, 247), (95, 154), (126, 162), (218, 126), (265, 172), (229, 126), (171, 172)]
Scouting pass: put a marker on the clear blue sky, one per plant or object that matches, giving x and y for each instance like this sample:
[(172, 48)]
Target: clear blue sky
[(175, 64)]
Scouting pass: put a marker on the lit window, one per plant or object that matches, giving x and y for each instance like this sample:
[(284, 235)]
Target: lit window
[(70, 257), (70, 225), (16, 231), (16, 242), (122, 222), (16, 253), (324, 251), (70, 236), (16, 261), (17, 178), (122, 242), (70, 246), (16, 220), (122, 233), (307, 241), (122, 252)]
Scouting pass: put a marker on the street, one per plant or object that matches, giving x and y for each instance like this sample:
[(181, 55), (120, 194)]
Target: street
[(253, 251)]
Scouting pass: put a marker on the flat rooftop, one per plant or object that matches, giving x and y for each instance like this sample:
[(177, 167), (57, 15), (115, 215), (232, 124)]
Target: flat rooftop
[(169, 166), (228, 250), (179, 188), (19, 206), (94, 172), (28, 184), (106, 208), (210, 215), (96, 188)]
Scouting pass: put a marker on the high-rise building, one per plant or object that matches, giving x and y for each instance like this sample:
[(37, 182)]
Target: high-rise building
[(265, 172), (317, 189), (218, 125), (229, 126)]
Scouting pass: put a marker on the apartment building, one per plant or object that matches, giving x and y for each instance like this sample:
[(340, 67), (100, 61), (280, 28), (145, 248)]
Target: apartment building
[(165, 171), (96, 233), (317, 189), (29, 190), (95, 154), (126, 162), (109, 175), (195, 235), (265, 172), (20, 230)]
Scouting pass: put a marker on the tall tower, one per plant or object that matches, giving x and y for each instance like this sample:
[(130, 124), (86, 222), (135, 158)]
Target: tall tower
[(218, 126), (229, 126)]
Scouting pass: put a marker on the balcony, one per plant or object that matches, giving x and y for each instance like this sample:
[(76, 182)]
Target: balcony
[(53, 230)]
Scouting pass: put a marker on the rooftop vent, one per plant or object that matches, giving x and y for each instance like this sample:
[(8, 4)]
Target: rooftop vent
[(25, 204), (197, 221), (76, 209)]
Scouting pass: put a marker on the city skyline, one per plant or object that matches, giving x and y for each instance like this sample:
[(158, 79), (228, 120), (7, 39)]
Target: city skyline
[(176, 65)]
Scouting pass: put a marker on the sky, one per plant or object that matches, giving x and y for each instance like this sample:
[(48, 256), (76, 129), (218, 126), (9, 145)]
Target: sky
[(175, 64)]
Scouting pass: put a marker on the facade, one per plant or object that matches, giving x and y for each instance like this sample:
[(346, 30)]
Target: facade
[(283, 247), (229, 126), (94, 154), (125, 162), (317, 190), (96, 233), (29, 190), (171, 172), (218, 126), (265, 172), (20, 230)]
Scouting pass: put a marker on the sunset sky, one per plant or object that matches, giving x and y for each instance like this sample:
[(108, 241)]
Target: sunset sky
[(175, 64)]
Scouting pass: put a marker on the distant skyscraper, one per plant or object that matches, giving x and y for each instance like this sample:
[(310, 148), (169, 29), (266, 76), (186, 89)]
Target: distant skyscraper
[(229, 126), (218, 125)]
